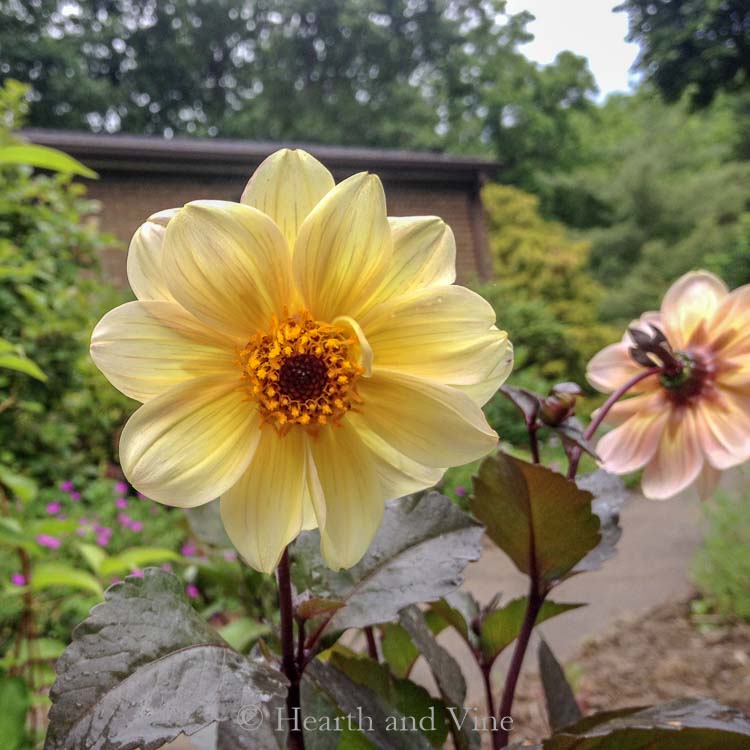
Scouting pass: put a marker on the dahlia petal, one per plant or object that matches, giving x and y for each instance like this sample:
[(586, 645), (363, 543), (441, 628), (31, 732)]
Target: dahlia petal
[(689, 305), (623, 410), (730, 327), (144, 348), (432, 424), (228, 265), (398, 475), (723, 425), (424, 255), (446, 334), (678, 460), (286, 187), (632, 445), (612, 367), (262, 513), (354, 502), (191, 443), (145, 274), (343, 248)]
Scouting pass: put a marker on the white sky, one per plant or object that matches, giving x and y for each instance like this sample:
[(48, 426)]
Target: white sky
[(587, 27)]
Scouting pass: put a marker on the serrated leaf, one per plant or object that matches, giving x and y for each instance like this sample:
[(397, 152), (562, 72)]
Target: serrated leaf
[(144, 667), (610, 494), (448, 675), (324, 684), (540, 519), (49, 575), (500, 628), (562, 708), (14, 698), (429, 534), (43, 157), (678, 725), (136, 557)]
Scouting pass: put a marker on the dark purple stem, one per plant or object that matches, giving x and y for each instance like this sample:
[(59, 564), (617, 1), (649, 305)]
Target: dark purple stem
[(575, 454), (288, 663), (372, 644)]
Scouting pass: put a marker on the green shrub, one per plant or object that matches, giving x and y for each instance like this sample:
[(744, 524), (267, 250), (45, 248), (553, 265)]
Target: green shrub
[(722, 566)]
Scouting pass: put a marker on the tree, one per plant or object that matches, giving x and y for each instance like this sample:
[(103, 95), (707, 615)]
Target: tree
[(700, 46)]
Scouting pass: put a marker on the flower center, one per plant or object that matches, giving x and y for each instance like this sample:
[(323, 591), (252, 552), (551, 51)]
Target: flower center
[(301, 372), (692, 381)]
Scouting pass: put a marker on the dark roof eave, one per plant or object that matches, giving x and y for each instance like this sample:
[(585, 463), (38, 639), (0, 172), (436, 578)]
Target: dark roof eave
[(220, 156)]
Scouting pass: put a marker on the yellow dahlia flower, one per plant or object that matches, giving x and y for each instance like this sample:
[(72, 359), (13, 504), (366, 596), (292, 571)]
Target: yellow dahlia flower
[(300, 355), (691, 419)]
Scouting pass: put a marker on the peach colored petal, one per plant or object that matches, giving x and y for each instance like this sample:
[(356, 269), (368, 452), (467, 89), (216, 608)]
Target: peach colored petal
[(723, 425), (630, 407), (612, 367), (730, 326), (632, 445), (678, 459), (689, 306)]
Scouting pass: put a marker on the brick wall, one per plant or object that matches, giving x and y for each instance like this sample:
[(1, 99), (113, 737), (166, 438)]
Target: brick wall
[(127, 198)]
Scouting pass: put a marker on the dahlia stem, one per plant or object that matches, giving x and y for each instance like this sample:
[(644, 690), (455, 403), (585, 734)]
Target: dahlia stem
[(372, 644), (533, 441), (295, 740), (575, 453)]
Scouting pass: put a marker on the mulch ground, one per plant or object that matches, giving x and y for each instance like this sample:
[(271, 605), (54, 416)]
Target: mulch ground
[(663, 655)]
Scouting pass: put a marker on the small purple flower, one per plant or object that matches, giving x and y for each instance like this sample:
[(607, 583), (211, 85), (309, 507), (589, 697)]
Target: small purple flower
[(54, 508), (136, 527), (123, 519), (67, 486), (121, 503), (189, 549), (75, 496), (141, 496), (51, 542), (460, 491), (192, 591), (115, 580), (138, 573), (102, 540), (121, 488), (230, 555), (167, 567), (18, 579), (82, 531)]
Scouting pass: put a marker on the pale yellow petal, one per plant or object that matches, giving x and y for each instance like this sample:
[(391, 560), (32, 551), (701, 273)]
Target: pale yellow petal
[(424, 255), (286, 187), (192, 443), (354, 502), (432, 424), (730, 329), (678, 460), (689, 306), (227, 264), (262, 513), (446, 334), (398, 475), (723, 424), (145, 273), (632, 445), (343, 248), (144, 348)]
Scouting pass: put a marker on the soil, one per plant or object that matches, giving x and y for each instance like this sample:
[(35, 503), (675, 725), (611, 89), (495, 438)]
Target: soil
[(654, 658)]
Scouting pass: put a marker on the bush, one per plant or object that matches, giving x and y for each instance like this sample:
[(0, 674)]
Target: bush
[(722, 567)]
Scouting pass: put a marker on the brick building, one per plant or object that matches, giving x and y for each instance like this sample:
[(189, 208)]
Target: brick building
[(142, 174)]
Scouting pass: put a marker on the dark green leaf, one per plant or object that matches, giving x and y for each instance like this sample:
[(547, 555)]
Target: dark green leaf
[(500, 628), (429, 534), (540, 519), (562, 708), (448, 676), (461, 611), (22, 487), (324, 685), (14, 699), (610, 494), (678, 725), (144, 667)]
